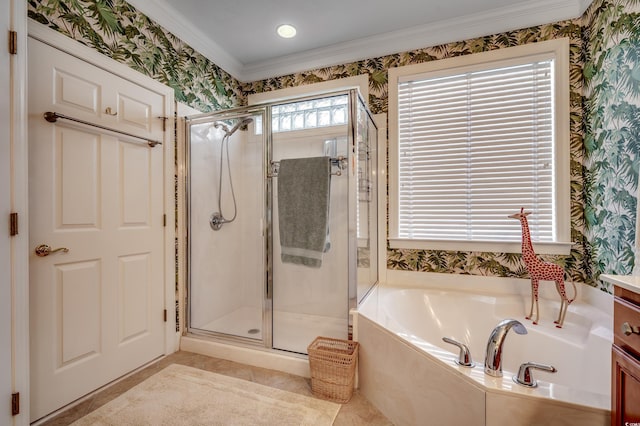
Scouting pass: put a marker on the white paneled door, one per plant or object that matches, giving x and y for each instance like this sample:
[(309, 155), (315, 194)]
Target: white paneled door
[(96, 199)]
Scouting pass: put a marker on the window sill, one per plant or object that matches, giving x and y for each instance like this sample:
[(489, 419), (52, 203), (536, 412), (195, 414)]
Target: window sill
[(561, 248)]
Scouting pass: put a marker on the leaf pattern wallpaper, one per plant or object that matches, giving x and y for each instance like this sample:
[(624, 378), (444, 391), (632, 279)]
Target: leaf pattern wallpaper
[(117, 30), (604, 119), (612, 142)]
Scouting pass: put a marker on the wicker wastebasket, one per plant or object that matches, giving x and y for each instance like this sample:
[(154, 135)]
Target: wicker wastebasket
[(333, 368)]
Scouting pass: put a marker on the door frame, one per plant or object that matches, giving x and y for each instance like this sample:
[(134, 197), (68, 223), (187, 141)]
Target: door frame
[(15, 282), (182, 111)]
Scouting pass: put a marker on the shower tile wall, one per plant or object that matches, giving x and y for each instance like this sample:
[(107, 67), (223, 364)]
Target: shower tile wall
[(226, 265)]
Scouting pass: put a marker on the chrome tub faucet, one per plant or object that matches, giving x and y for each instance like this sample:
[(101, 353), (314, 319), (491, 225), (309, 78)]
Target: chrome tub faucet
[(493, 358)]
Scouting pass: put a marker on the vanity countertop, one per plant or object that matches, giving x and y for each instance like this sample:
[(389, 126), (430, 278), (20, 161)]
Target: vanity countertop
[(628, 282)]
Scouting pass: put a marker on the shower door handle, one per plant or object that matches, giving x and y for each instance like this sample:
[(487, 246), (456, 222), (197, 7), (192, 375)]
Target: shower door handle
[(268, 288)]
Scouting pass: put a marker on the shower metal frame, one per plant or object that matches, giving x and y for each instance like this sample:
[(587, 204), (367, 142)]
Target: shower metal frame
[(265, 109)]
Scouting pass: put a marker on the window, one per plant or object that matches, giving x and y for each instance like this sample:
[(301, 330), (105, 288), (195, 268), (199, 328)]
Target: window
[(476, 138), (311, 114)]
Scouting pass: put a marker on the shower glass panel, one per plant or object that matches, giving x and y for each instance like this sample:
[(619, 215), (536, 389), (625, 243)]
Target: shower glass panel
[(367, 193), (226, 216), (313, 301)]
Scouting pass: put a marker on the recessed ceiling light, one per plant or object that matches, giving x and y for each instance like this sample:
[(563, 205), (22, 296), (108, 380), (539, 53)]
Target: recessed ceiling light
[(286, 31)]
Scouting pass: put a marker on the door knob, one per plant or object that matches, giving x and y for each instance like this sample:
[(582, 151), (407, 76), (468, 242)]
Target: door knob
[(44, 250)]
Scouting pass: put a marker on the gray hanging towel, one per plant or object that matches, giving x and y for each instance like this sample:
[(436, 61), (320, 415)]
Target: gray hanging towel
[(303, 208)]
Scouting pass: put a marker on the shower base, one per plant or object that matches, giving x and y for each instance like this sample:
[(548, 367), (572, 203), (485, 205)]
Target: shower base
[(292, 333), (258, 357), (243, 322)]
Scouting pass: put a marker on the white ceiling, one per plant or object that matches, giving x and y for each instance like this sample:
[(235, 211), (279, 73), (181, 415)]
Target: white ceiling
[(239, 35)]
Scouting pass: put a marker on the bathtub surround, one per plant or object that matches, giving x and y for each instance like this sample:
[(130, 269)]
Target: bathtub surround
[(400, 328)]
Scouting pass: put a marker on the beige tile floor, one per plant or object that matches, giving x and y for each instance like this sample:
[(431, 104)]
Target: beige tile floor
[(358, 411)]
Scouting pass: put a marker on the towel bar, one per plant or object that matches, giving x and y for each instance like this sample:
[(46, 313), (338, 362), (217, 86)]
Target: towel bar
[(339, 162)]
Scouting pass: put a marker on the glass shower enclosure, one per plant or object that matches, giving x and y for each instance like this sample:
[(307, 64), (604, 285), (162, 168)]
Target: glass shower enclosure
[(265, 185)]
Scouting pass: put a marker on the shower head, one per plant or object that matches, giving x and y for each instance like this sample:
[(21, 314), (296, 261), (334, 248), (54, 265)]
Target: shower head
[(245, 121), (221, 125), (239, 124)]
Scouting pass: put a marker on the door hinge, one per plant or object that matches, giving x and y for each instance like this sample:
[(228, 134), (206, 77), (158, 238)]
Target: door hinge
[(13, 224), (13, 42), (15, 404), (165, 315), (164, 220)]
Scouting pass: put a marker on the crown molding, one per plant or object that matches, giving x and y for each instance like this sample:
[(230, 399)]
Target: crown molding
[(169, 18), (584, 5), (533, 12), (464, 28)]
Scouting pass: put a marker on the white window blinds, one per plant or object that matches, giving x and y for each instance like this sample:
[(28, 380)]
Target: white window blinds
[(473, 148)]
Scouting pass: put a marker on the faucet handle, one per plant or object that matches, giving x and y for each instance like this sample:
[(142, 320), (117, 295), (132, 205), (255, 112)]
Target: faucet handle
[(464, 357), (524, 376)]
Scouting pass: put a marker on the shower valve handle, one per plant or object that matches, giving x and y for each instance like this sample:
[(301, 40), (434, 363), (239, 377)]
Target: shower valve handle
[(217, 221)]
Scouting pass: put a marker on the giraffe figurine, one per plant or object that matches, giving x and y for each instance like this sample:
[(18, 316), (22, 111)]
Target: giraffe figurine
[(540, 270)]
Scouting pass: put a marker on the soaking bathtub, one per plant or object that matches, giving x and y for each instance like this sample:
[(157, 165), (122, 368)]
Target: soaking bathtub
[(410, 374)]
